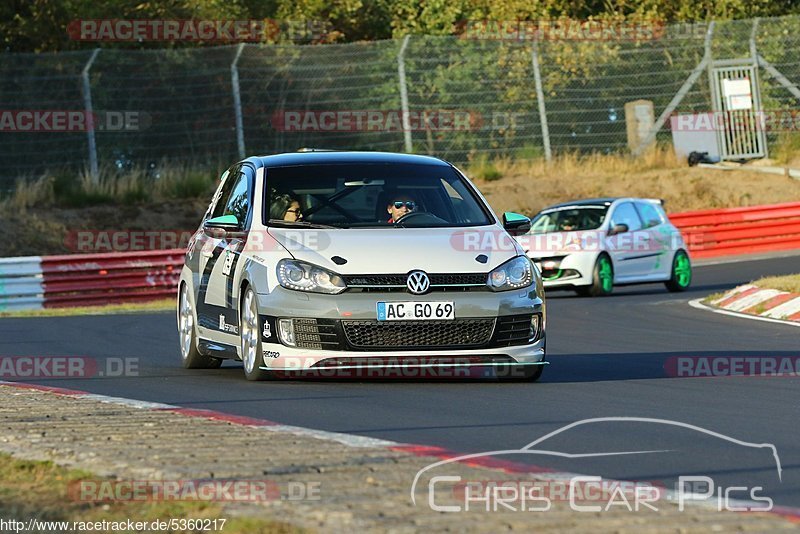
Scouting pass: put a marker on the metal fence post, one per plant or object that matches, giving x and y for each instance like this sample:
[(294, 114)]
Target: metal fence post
[(89, 118), (706, 62), (548, 153), (237, 101), (401, 74), (757, 83)]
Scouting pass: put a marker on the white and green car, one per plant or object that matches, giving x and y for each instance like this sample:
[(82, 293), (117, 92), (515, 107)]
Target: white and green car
[(595, 244)]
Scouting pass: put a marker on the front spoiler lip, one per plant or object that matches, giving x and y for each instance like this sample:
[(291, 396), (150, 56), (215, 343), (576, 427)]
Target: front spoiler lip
[(400, 365)]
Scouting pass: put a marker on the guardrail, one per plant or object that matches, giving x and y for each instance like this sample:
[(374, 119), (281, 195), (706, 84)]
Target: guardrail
[(94, 279), (734, 231), (37, 282)]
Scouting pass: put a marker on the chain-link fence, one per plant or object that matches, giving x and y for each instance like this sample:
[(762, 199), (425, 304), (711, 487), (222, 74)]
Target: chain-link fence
[(467, 96)]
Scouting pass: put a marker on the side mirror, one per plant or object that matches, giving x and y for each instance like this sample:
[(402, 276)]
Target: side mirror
[(516, 224), (220, 227), (618, 229)]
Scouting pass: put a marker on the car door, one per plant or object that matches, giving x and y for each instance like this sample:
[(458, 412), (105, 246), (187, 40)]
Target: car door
[(626, 248), (217, 312), (659, 238)]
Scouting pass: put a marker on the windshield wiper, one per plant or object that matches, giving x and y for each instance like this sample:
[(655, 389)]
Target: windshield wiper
[(303, 224)]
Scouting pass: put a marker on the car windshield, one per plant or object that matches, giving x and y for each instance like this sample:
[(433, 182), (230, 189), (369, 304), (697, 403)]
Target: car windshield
[(569, 219), (362, 195)]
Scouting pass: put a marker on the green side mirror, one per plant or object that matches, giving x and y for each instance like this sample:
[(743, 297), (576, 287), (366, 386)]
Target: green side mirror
[(515, 223), (219, 227)]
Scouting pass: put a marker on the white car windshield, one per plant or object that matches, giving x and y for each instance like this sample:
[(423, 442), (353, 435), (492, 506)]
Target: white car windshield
[(363, 194), (569, 219)]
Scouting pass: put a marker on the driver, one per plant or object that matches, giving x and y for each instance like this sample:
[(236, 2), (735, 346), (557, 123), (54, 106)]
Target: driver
[(399, 206), (568, 224)]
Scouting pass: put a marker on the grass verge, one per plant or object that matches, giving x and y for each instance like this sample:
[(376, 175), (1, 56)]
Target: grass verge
[(40, 490), (111, 309), (790, 283), (711, 298), (134, 186)]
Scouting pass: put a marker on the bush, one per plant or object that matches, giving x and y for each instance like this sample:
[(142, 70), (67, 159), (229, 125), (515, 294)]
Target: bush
[(483, 169), (130, 187)]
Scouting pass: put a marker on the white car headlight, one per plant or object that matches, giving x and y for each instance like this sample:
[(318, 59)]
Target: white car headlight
[(513, 274), (303, 276)]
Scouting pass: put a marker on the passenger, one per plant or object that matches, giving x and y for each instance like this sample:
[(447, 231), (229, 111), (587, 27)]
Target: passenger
[(285, 208)]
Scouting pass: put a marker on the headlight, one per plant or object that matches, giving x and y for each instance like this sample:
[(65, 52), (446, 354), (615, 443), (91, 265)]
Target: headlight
[(302, 276), (513, 274)]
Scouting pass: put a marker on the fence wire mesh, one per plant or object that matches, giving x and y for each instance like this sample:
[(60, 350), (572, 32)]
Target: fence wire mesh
[(185, 102)]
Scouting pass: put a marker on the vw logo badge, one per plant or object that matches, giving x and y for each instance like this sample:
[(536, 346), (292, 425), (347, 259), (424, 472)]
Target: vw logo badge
[(418, 282)]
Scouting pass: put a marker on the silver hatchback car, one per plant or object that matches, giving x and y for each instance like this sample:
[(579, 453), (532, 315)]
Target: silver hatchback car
[(336, 262)]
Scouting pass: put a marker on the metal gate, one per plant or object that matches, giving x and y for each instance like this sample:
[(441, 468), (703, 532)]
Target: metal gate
[(738, 117)]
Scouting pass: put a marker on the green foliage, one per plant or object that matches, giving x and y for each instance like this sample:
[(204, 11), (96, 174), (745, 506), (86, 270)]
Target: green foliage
[(190, 184), (133, 187), (786, 148), (482, 169), (529, 151), (40, 25)]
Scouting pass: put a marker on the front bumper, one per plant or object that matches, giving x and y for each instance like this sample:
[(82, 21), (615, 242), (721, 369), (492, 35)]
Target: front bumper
[(333, 347), (567, 269)]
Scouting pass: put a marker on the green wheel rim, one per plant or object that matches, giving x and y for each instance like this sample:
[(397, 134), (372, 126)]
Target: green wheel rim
[(606, 275), (682, 270)]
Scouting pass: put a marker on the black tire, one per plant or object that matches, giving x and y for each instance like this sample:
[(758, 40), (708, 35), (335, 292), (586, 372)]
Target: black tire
[(602, 279), (191, 358), (681, 273), (250, 338)]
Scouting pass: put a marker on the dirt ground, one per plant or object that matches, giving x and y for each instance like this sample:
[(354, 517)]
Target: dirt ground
[(682, 188)]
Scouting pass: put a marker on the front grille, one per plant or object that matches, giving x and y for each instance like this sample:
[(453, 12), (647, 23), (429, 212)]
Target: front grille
[(418, 334), (316, 334), (397, 282), (376, 280), (458, 279), (512, 330)]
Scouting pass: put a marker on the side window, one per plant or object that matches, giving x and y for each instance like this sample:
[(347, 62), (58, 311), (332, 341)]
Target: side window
[(626, 214), (217, 194), (225, 193), (649, 214), (235, 198)]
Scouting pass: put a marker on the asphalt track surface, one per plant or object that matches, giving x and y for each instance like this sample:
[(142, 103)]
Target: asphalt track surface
[(610, 357)]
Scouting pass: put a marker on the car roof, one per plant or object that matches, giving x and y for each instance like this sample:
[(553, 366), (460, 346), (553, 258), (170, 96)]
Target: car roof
[(585, 202), (335, 157)]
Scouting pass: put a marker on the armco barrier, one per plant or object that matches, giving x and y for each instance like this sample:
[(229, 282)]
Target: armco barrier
[(733, 231), (88, 279), (95, 279)]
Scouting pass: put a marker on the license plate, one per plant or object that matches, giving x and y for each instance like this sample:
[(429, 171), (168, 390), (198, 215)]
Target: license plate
[(416, 311)]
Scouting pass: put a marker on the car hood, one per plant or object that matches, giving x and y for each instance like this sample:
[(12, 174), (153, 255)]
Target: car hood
[(400, 250)]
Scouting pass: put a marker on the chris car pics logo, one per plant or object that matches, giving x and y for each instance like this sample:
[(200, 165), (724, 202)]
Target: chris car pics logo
[(444, 487)]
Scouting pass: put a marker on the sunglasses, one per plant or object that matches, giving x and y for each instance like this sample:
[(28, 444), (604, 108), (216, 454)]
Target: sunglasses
[(295, 210), (410, 204)]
